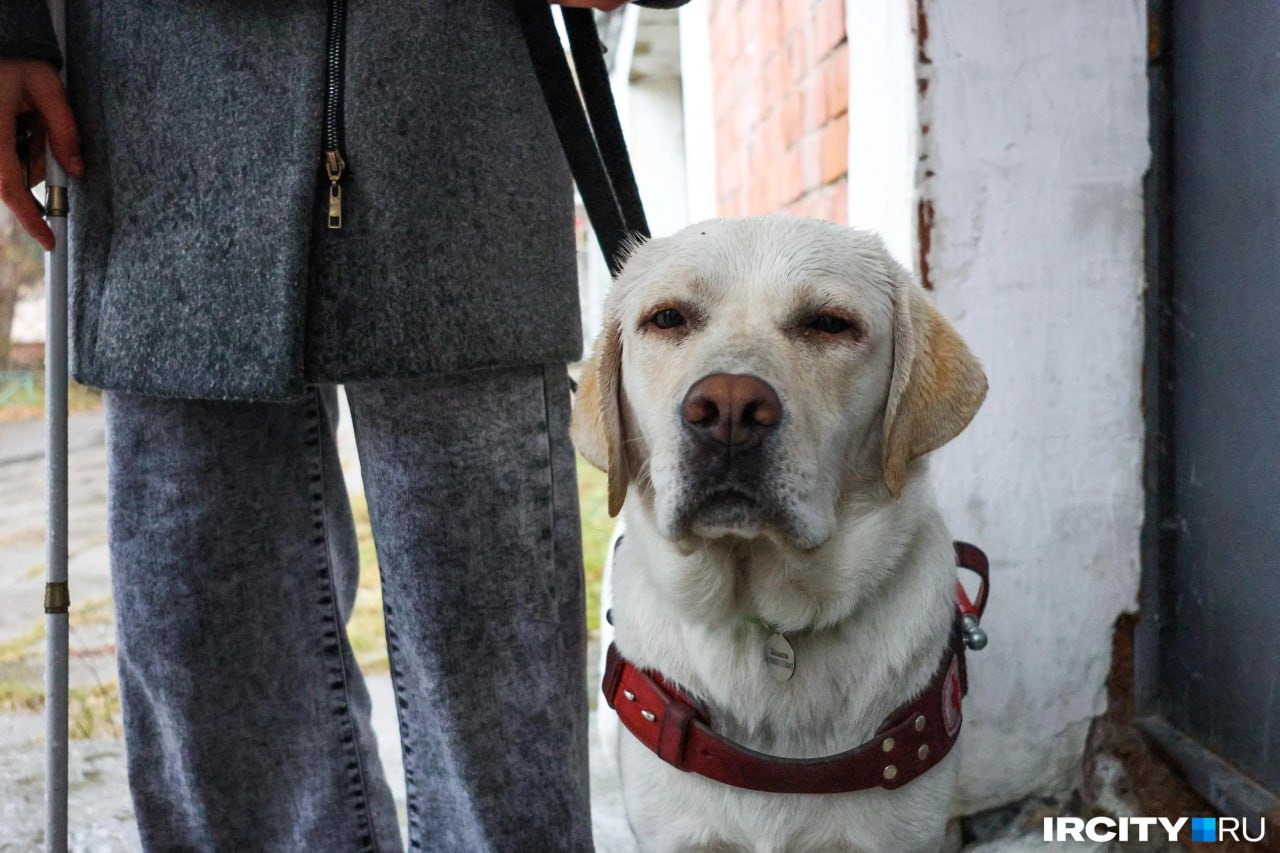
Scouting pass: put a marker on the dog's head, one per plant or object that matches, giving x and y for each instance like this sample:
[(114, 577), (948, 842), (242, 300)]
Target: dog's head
[(753, 373)]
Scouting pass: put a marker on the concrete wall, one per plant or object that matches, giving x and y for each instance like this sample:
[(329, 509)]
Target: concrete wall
[(1033, 141)]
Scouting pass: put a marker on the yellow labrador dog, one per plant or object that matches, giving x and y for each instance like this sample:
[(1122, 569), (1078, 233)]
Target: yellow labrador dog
[(762, 395)]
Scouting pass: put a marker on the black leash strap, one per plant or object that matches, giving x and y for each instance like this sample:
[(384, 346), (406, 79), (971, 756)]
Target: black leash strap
[(591, 136)]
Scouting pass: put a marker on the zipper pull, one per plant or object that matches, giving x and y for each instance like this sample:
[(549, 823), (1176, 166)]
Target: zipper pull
[(334, 166)]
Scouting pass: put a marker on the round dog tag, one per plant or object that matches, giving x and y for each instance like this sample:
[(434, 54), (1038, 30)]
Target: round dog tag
[(780, 657)]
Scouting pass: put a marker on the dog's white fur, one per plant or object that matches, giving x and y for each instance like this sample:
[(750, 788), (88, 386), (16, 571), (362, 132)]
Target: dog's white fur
[(841, 542)]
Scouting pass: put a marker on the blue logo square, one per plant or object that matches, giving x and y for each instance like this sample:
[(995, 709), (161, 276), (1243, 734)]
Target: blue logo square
[(1204, 829)]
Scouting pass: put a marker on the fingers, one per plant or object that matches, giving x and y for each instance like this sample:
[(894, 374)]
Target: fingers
[(35, 158), (44, 88), (37, 83), (14, 193)]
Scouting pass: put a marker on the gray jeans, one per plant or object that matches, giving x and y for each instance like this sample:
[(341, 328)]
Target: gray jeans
[(234, 568)]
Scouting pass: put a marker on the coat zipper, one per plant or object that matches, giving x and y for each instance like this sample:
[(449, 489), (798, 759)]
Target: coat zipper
[(335, 166)]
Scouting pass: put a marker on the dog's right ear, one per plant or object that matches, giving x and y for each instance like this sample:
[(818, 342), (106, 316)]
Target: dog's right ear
[(937, 383), (596, 426)]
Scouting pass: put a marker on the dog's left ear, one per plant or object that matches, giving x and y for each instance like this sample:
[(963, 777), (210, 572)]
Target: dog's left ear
[(937, 383), (596, 426)]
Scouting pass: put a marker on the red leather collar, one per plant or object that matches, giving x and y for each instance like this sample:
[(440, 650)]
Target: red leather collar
[(908, 744)]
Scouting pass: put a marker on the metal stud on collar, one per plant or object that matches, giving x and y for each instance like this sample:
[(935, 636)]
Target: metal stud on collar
[(631, 697), (974, 636), (890, 772), (648, 715)]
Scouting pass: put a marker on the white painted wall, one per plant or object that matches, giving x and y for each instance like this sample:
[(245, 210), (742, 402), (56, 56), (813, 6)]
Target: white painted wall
[(697, 97), (1037, 140), (655, 128), (884, 136), (1030, 142)]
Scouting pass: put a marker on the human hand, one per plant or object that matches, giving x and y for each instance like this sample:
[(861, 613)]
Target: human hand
[(28, 85), (602, 5)]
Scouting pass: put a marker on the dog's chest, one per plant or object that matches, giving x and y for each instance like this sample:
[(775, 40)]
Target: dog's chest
[(821, 709), (835, 698), (847, 681)]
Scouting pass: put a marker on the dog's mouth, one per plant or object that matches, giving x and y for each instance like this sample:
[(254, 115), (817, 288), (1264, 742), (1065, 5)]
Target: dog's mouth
[(729, 500), (718, 496), (726, 511), (739, 512)]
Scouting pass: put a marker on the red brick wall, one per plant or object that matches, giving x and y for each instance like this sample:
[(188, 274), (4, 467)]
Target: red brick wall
[(781, 95)]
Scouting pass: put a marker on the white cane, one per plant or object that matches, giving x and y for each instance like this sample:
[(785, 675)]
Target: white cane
[(57, 600)]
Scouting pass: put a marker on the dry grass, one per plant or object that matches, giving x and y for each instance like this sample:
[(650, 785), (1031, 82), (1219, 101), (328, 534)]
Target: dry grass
[(365, 629), (18, 402), (93, 710), (24, 647), (20, 696), (597, 527)]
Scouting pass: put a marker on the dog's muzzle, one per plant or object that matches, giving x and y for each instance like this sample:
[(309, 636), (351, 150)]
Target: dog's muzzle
[(727, 423)]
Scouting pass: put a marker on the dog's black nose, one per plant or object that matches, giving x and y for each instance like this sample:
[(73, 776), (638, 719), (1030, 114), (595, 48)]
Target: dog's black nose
[(731, 409)]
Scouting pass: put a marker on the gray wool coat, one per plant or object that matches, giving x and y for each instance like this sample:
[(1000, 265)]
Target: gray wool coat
[(201, 264)]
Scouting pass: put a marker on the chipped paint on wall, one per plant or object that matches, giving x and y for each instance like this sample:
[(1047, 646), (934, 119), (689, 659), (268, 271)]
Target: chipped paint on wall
[(1033, 144)]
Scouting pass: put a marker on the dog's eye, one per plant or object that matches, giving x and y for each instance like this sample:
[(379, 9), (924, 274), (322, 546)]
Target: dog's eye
[(830, 324), (667, 318)]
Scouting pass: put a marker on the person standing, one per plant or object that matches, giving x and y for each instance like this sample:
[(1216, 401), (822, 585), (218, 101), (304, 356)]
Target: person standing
[(269, 199)]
